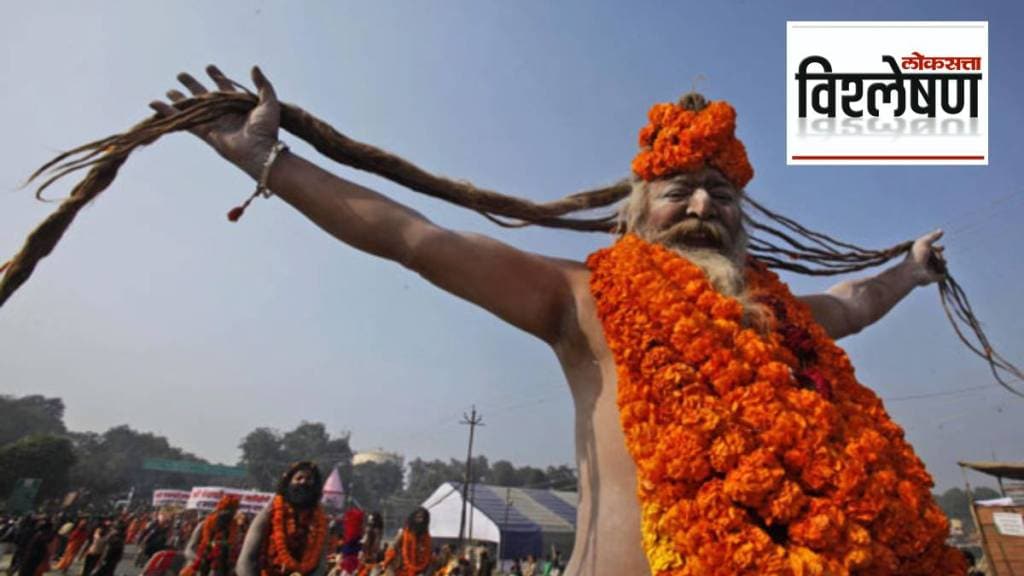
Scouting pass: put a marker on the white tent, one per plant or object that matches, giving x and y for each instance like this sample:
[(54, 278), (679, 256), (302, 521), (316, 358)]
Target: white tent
[(520, 521)]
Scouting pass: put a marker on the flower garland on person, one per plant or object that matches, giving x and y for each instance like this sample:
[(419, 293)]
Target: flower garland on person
[(417, 551), (755, 453), (219, 542), (293, 549)]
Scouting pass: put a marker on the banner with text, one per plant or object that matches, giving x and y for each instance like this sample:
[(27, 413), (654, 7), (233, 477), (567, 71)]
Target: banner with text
[(163, 498), (206, 498)]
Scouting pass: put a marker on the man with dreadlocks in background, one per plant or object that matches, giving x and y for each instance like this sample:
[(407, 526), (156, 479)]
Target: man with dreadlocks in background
[(289, 536), (216, 542), (372, 554), (719, 429), (413, 549)]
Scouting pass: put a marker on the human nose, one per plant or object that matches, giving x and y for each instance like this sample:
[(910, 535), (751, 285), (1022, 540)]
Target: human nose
[(699, 204)]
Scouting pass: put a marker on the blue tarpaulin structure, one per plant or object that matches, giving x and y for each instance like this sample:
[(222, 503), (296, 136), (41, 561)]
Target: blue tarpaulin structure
[(519, 521)]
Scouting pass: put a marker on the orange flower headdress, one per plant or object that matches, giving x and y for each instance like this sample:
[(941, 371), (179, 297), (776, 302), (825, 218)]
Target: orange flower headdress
[(685, 136), (228, 502)]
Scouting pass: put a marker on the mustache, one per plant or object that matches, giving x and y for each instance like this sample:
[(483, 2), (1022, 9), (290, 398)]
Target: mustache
[(694, 228)]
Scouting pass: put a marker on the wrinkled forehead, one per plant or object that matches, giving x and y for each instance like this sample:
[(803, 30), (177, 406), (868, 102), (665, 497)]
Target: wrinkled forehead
[(703, 178)]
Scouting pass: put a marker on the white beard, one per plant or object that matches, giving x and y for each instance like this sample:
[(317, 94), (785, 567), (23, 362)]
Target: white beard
[(728, 276), (725, 270), (724, 273)]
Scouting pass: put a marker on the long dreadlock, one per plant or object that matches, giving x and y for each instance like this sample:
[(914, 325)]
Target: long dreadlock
[(778, 241)]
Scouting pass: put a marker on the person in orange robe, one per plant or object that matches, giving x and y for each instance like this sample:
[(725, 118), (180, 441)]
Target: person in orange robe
[(76, 539)]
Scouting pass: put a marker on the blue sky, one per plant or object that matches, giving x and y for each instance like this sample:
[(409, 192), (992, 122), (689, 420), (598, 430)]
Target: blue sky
[(156, 312)]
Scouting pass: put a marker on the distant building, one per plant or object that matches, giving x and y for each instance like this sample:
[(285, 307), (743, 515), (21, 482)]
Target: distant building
[(376, 456)]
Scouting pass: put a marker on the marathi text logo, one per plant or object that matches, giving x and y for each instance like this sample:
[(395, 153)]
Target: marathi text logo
[(954, 88)]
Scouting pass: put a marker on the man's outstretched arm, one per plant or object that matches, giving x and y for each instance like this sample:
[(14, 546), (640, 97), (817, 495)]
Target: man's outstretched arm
[(527, 290), (852, 305)]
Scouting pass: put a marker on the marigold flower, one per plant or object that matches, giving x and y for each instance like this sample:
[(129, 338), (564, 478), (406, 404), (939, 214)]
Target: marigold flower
[(758, 475), (729, 446), (726, 442), (821, 526), (679, 140), (785, 505)]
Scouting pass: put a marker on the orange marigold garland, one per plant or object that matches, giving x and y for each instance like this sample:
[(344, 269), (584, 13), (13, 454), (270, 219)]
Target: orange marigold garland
[(217, 547), (416, 552), (284, 544), (677, 139), (755, 453)]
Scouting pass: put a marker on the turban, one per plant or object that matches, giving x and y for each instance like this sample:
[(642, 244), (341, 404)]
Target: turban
[(689, 135)]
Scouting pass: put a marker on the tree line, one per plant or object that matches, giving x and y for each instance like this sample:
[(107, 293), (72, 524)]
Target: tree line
[(103, 467)]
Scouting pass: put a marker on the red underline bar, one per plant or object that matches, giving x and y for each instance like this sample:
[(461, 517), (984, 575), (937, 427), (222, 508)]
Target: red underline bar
[(805, 157)]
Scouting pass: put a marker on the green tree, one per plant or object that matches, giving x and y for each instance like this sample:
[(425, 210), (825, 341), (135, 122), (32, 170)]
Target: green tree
[(262, 456), (481, 469), (338, 453), (48, 458), (533, 477), (954, 503), (110, 464), (562, 478), (504, 473), (306, 442), (375, 482), (30, 415), (426, 476), (266, 453)]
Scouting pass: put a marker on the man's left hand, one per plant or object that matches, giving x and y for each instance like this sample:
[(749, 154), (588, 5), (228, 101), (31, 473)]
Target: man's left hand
[(926, 260)]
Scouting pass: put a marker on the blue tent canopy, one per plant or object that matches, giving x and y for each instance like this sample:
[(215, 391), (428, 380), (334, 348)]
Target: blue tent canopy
[(521, 521)]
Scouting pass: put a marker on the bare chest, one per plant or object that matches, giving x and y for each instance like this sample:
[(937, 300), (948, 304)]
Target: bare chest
[(608, 538)]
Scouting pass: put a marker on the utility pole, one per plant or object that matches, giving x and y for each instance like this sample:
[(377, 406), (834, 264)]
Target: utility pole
[(472, 421), (472, 498)]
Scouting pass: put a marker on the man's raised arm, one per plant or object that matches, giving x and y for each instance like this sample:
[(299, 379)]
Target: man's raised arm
[(852, 305), (529, 291)]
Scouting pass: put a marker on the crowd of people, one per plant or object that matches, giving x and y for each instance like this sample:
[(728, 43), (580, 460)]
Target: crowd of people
[(293, 536), (86, 545)]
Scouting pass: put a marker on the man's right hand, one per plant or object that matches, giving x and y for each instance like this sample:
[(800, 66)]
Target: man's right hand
[(529, 291), (245, 141)]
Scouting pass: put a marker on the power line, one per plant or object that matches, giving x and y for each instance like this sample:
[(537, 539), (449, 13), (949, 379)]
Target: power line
[(938, 394), (981, 215)]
